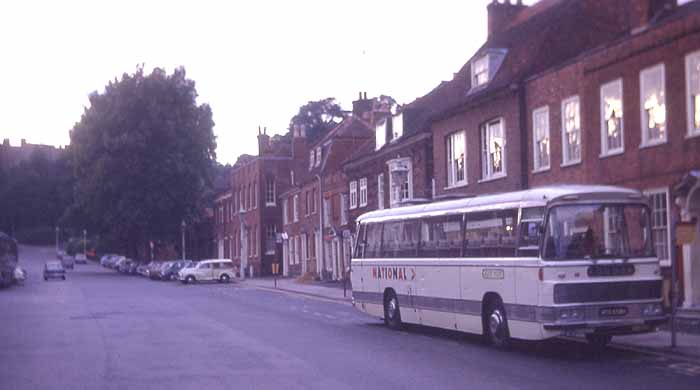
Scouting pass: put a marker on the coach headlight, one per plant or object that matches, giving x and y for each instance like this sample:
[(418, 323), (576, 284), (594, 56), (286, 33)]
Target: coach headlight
[(571, 314), (652, 310)]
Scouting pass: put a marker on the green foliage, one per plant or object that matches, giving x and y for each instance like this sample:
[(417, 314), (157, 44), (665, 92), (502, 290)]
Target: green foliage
[(317, 117), (142, 155), (33, 196)]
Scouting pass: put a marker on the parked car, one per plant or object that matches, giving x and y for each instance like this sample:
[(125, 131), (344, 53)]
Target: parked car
[(117, 262), (142, 269), (106, 258), (157, 272), (170, 273), (220, 270), (131, 268), (54, 270), (123, 265), (68, 261), (60, 253), (153, 267), (80, 258)]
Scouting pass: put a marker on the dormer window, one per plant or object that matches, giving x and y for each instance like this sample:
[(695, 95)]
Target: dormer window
[(480, 71), (380, 134), (397, 127), (318, 155)]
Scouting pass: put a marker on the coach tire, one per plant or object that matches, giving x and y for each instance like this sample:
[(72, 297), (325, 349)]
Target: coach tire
[(392, 312), (496, 325)]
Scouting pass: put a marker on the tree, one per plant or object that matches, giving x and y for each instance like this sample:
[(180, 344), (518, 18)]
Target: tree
[(317, 117), (142, 155)]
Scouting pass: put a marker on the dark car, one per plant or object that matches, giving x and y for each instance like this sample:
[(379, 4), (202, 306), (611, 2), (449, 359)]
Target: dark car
[(158, 271), (170, 273), (124, 266), (54, 270)]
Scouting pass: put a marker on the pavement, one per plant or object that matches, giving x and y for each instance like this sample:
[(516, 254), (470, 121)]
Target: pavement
[(103, 330), (657, 343)]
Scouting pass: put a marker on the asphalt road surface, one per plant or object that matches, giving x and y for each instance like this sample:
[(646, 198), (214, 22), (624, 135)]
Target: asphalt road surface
[(103, 330)]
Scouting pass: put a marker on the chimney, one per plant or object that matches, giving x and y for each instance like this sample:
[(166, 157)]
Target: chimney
[(501, 14), (24, 142), (6, 142), (641, 12), (263, 141), (362, 107)]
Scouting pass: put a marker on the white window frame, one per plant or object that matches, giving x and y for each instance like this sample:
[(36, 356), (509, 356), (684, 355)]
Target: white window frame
[(605, 151), (270, 229), (380, 191), (295, 206), (487, 171), (380, 134), (304, 248), (539, 166), (643, 84), (477, 62), (566, 158), (255, 195), (285, 211), (318, 156), (326, 212), (693, 130), (270, 192), (312, 160), (353, 195), (363, 192), (451, 165), (343, 209), (665, 191)]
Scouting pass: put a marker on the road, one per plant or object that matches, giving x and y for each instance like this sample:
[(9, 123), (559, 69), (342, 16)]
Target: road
[(103, 330)]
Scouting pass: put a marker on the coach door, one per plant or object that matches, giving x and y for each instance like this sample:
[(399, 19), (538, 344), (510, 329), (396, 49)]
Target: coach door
[(437, 282)]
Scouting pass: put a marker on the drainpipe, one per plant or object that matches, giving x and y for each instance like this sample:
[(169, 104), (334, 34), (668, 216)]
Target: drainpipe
[(522, 119), (321, 256)]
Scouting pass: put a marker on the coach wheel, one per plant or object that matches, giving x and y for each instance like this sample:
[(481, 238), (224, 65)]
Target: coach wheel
[(392, 313), (496, 325)]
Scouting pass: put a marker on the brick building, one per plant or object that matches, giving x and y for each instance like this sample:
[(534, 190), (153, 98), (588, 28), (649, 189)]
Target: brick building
[(248, 216), (11, 156), (317, 235), (628, 113)]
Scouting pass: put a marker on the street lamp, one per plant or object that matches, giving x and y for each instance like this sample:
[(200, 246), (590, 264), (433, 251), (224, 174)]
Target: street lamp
[(84, 242), (183, 225)]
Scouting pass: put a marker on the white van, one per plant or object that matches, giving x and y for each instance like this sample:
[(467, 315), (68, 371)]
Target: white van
[(221, 270)]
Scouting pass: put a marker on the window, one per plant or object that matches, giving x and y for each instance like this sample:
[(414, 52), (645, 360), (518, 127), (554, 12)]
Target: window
[(380, 134), (270, 239), (241, 200), (480, 71), (571, 130), (292, 251), (660, 223), (343, 209), (314, 196), (441, 237), (353, 195), (307, 203), (312, 156), (326, 212), (270, 192), (692, 77), (285, 211), (491, 233), (653, 105), (456, 159), (530, 224), (380, 191), (291, 177), (400, 180), (493, 144), (611, 121), (363, 192), (540, 123), (318, 156), (255, 195), (373, 240), (295, 206), (304, 247), (400, 239), (396, 127)]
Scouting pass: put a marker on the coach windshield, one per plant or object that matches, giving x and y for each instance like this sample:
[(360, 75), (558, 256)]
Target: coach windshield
[(598, 231)]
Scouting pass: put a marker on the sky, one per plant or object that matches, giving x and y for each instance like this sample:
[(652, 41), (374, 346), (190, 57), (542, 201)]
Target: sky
[(255, 62)]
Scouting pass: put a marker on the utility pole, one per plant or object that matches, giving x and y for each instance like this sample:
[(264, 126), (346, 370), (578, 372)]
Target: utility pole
[(57, 229), (183, 225), (85, 242)]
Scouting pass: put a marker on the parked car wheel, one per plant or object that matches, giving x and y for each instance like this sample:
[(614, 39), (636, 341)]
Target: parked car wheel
[(224, 278), (190, 279)]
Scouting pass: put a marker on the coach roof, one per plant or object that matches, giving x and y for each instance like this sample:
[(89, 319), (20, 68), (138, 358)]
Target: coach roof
[(533, 197)]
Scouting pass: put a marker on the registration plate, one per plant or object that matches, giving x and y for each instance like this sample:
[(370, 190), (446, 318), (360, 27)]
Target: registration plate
[(619, 311)]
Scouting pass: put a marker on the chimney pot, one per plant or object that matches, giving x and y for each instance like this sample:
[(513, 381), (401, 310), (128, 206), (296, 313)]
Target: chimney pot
[(24, 141)]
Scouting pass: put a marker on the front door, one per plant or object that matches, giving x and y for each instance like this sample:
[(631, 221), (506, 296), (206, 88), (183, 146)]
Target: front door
[(204, 272)]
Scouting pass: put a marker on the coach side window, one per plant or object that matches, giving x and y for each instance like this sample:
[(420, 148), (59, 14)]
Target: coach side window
[(373, 247), (361, 242), (400, 239), (530, 224), (490, 233), (441, 236)]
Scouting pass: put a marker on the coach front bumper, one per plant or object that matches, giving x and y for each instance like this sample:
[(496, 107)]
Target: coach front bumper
[(626, 317)]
